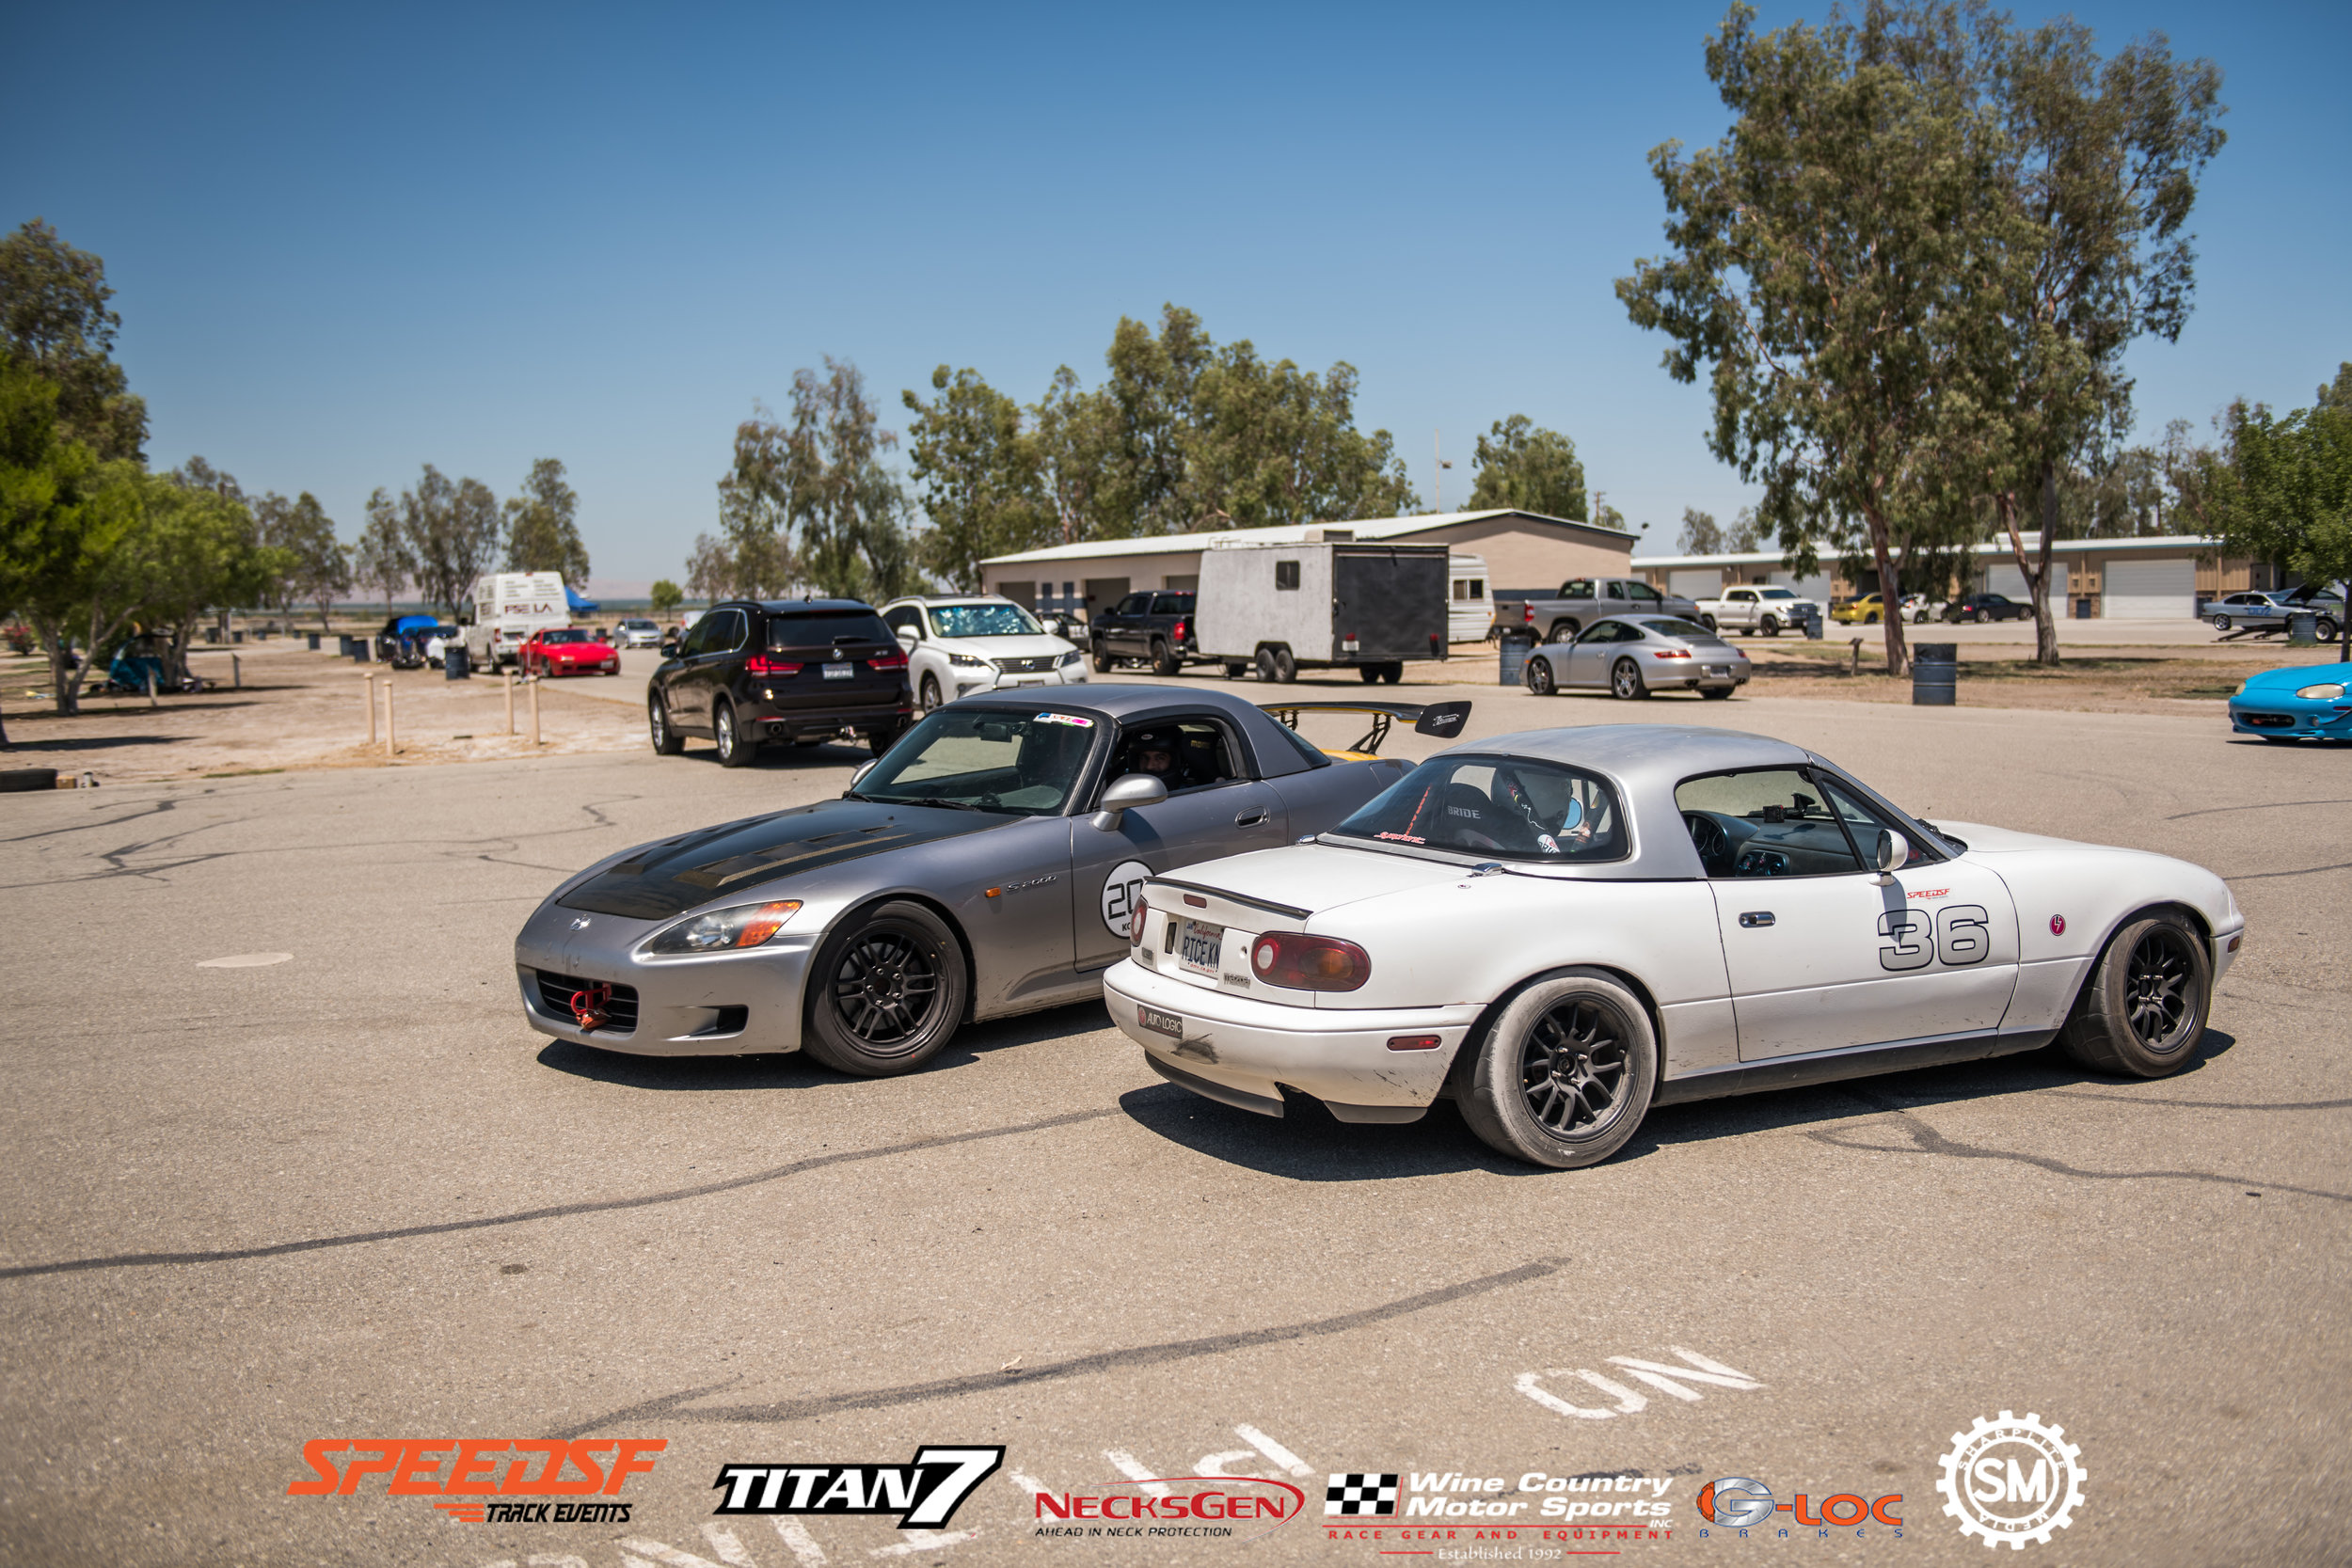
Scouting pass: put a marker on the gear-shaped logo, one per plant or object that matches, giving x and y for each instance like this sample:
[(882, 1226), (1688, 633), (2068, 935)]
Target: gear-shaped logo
[(2016, 1495)]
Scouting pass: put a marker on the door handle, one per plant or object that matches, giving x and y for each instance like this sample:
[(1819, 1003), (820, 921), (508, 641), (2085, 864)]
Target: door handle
[(1756, 917), (1251, 817)]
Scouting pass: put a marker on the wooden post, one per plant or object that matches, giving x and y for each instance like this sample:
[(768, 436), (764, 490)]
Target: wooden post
[(534, 710), (236, 672), (1856, 669), (392, 743), (367, 700), (506, 684), (151, 689)]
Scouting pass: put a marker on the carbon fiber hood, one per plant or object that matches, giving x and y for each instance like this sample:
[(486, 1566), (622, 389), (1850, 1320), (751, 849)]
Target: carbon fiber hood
[(675, 874)]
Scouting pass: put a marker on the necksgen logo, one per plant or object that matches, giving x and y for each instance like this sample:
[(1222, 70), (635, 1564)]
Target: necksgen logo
[(1173, 1506), (534, 1467), (924, 1494)]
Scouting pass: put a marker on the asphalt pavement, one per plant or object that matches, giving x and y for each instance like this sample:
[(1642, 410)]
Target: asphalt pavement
[(336, 1190)]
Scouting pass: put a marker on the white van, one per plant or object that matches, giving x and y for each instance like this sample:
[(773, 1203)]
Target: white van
[(504, 609)]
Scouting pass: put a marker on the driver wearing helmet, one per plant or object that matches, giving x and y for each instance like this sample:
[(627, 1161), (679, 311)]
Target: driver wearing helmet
[(1159, 753)]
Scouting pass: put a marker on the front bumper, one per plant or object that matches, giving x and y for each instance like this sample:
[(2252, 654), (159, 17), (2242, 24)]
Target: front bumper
[(719, 1005), (969, 680), (2291, 718), (1245, 1052)]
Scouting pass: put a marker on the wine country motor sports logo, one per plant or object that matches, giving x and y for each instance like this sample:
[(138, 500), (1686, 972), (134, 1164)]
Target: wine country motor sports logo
[(2012, 1480), (469, 1468), (924, 1493), (1356, 1495)]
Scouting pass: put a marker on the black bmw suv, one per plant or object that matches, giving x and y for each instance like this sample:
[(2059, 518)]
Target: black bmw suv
[(801, 670)]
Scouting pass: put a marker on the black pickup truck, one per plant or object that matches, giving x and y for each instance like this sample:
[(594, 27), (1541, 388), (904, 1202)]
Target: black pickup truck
[(1153, 625)]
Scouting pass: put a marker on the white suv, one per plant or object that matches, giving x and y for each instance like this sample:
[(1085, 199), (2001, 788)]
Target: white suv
[(977, 643)]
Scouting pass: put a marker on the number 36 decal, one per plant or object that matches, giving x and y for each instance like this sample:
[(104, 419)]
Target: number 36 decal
[(1957, 936)]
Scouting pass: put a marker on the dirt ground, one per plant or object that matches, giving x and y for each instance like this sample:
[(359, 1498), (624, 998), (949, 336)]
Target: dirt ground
[(299, 709)]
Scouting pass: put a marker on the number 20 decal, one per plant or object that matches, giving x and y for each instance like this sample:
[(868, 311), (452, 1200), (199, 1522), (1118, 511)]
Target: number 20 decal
[(1958, 934)]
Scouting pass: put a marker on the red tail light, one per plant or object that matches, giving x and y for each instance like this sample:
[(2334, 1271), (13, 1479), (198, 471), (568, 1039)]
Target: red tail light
[(1135, 928), (889, 661), (1180, 631), (759, 664), (1670, 652), (1527, 613), (1301, 963)]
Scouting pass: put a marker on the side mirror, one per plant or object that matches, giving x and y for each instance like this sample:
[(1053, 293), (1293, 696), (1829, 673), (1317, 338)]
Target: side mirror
[(909, 636), (1894, 853), (1125, 795)]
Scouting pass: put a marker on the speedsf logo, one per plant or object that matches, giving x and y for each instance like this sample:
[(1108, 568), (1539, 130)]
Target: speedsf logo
[(1622, 1495), (924, 1494), (487, 1474)]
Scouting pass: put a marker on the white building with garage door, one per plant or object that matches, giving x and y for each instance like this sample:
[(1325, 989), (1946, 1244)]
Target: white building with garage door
[(2161, 579)]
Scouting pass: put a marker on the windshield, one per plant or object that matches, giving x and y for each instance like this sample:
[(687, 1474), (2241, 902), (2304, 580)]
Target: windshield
[(1779, 593), (1510, 808), (571, 634), (985, 759), (983, 620), (1665, 627)]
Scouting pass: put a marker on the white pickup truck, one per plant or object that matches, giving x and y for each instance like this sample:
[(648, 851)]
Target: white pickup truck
[(1755, 609)]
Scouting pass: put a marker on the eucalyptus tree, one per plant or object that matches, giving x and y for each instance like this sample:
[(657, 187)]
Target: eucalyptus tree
[(542, 525), (1523, 465)]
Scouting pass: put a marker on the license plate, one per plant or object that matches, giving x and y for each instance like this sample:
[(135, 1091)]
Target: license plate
[(1720, 671), (1199, 945), (1160, 1022), (839, 671)]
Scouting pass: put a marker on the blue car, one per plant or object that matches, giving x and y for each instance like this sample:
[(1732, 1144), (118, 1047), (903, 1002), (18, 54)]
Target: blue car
[(2300, 702)]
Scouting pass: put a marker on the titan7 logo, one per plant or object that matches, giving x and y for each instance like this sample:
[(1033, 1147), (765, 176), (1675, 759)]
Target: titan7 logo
[(924, 1494)]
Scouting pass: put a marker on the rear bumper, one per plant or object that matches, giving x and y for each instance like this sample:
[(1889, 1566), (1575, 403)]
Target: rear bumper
[(1245, 1052)]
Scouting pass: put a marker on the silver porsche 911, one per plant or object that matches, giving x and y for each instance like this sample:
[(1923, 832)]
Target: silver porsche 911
[(1633, 655), (987, 864)]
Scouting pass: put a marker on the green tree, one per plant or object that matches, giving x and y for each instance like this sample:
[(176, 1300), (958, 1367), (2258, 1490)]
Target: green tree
[(1074, 439), (1528, 468), (319, 568), (1270, 444), (381, 560), (195, 548), (2084, 249), (752, 555), (449, 534), (45, 515), (1815, 249), (982, 475), (666, 598), (1701, 535), (2288, 497), (846, 506), (54, 316), (543, 527)]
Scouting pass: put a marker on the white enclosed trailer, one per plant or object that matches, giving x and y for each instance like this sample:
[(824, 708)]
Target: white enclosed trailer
[(504, 609), (1323, 603)]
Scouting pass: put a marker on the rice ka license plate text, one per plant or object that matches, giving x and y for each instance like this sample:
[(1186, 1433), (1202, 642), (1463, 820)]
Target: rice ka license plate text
[(1199, 947)]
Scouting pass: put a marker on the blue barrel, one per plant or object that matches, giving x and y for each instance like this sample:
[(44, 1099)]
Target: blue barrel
[(1515, 646), (1934, 674)]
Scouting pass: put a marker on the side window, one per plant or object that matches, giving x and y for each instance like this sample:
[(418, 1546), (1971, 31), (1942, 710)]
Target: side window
[(905, 618), (1133, 603), (1616, 590), (1183, 753), (728, 634), (1867, 823), (1641, 593), (1600, 631), (1171, 604), (1766, 822), (698, 636), (1577, 588), (1286, 574)]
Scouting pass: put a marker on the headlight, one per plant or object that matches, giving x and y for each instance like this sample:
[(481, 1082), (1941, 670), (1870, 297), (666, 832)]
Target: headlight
[(744, 925), (965, 661), (2326, 691), (1073, 657)]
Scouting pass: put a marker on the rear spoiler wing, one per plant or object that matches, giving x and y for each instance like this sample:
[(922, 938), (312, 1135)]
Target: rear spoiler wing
[(1444, 720)]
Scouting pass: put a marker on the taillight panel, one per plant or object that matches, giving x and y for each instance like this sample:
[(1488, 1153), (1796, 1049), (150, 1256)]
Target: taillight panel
[(1296, 962)]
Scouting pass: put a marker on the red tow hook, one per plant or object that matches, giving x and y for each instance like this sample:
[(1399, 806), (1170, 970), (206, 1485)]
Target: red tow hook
[(589, 1006)]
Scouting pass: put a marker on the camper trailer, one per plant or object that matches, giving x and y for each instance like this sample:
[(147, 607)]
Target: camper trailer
[(1329, 602)]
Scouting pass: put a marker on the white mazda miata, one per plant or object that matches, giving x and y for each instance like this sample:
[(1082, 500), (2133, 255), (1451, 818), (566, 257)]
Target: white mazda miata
[(1564, 927)]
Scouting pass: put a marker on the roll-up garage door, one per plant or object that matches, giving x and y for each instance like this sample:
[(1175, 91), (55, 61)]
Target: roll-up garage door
[(2011, 583), (2149, 590), (1815, 588), (1701, 582)]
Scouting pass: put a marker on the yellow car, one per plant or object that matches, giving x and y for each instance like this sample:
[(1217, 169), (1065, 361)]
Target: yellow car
[(1868, 609)]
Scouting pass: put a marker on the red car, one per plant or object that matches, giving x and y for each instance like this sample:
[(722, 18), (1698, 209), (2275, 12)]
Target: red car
[(569, 651)]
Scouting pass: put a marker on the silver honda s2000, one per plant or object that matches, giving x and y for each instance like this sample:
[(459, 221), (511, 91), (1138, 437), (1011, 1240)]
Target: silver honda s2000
[(986, 865)]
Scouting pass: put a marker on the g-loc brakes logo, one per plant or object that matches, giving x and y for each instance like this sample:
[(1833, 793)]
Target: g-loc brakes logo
[(534, 1468), (924, 1494), (1741, 1503), (1986, 1490)]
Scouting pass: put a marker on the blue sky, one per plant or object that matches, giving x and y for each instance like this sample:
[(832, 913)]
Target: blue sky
[(348, 242)]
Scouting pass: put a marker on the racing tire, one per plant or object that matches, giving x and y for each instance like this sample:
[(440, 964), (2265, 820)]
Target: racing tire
[(1163, 662), (2142, 1011), (931, 699), (2325, 629), (2221, 623), (1102, 661), (1565, 1075), (1393, 671), (1715, 694), (1770, 626), (1539, 679), (1563, 631), (1625, 681), (879, 741), (886, 993), (1234, 672), (1266, 665), (1286, 667), (667, 742), (733, 750)]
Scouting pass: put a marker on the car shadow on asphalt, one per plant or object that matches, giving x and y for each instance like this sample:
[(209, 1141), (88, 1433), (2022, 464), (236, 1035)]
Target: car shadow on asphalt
[(1308, 1143)]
